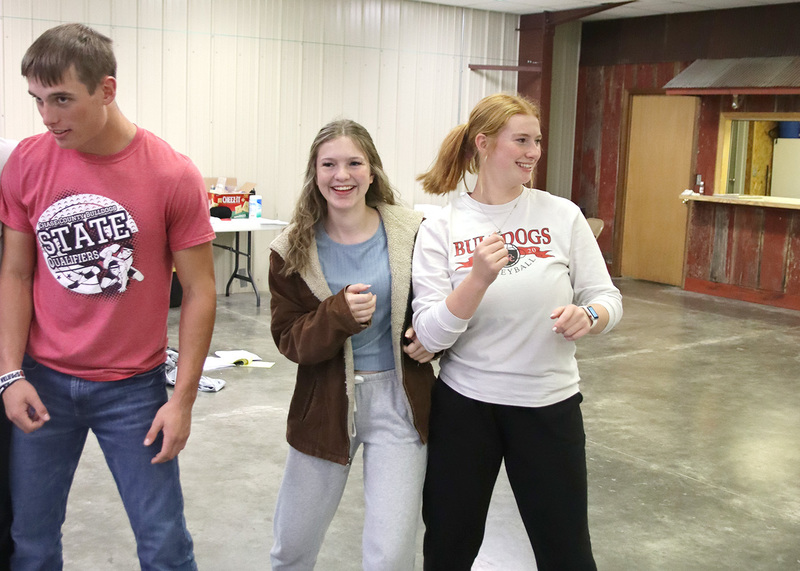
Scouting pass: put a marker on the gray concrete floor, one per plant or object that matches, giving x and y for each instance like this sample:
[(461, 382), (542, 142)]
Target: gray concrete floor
[(692, 415)]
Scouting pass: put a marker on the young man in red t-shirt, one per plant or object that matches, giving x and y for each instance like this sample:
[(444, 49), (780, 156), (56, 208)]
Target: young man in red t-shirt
[(96, 212)]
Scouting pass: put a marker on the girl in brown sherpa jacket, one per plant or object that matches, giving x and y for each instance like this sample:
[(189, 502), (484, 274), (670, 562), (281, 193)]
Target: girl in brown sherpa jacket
[(340, 279)]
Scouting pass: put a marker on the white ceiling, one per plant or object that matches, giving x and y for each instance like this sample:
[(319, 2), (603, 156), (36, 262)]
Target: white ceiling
[(632, 10)]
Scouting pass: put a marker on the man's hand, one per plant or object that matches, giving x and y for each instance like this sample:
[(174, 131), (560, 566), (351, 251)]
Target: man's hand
[(24, 407), (175, 423)]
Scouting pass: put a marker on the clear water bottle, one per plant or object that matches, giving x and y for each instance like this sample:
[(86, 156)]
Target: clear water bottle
[(255, 206)]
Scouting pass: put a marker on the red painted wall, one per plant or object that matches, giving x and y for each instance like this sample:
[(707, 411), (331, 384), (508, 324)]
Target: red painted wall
[(744, 252), (603, 92), (640, 55)]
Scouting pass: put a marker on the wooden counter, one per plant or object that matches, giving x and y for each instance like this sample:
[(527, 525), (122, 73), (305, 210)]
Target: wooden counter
[(744, 247), (745, 200)]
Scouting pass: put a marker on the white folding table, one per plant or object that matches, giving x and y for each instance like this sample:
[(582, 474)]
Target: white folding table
[(238, 225)]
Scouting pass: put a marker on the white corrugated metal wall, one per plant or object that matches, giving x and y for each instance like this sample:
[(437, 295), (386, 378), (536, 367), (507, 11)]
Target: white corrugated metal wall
[(242, 86)]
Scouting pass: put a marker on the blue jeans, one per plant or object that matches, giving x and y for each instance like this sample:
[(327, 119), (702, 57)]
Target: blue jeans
[(43, 464)]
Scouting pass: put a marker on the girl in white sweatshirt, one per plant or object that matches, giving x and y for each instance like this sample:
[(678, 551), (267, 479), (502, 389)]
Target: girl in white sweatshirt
[(506, 279)]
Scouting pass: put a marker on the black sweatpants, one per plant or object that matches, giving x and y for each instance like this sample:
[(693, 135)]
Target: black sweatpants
[(545, 458)]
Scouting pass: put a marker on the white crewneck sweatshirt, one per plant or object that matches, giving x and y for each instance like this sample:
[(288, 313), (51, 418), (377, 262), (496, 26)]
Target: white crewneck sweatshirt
[(507, 353)]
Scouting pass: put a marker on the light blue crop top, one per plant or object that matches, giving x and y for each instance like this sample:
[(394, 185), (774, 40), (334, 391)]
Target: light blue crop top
[(366, 263)]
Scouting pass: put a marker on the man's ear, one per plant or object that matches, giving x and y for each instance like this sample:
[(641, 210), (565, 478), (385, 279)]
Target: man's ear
[(109, 87)]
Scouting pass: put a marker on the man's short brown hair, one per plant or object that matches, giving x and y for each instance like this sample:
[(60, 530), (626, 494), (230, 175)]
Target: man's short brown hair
[(49, 58)]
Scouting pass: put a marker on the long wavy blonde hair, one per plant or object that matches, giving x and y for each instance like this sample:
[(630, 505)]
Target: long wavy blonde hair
[(312, 207), (458, 154)]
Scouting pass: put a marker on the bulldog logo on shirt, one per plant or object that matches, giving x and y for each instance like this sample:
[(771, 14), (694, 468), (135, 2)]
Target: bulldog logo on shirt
[(87, 242), (514, 244)]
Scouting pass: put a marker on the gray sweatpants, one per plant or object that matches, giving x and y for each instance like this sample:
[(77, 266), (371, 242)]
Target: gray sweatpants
[(394, 471)]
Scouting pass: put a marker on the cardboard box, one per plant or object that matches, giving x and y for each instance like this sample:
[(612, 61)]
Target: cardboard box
[(223, 191)]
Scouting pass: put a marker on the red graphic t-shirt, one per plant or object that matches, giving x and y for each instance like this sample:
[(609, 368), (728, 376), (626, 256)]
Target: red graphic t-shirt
[(105, 227)]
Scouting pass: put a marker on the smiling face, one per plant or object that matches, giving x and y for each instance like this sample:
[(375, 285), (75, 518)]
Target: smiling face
[(512, 155), (343, 174), (76, 118)]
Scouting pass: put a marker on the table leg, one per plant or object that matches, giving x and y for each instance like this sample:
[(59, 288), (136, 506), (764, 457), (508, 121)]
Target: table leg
[(240, 273)]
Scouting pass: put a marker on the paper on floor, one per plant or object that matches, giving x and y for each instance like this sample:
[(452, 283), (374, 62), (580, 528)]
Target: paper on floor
[(239, 358)]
